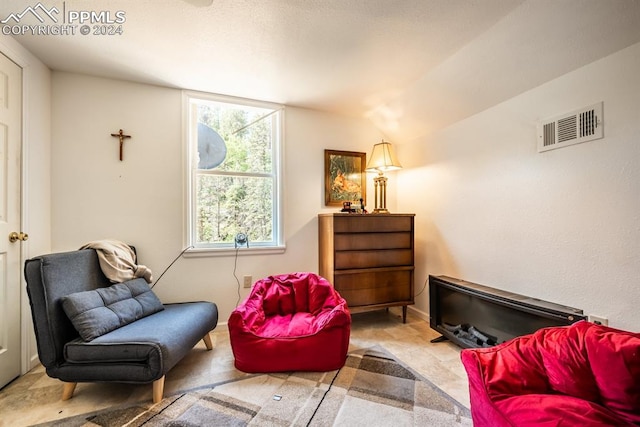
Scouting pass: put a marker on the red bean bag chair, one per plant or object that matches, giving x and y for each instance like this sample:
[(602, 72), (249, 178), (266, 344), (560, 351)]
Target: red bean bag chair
[(578, 375), (290, 322)]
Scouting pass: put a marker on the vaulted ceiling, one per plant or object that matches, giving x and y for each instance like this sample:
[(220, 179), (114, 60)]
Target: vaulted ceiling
[(411, 66)]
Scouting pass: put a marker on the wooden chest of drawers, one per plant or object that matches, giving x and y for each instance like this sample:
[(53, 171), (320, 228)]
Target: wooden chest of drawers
[(368, 258)]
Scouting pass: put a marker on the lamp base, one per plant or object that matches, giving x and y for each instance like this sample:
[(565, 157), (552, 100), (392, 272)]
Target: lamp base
[(380, 183)]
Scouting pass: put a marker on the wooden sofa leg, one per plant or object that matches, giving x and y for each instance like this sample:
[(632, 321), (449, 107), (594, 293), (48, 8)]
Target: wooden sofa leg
[(158, 390), (207, 341), (67, 390)]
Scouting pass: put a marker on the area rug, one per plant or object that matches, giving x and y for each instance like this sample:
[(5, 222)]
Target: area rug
[(372, 389)]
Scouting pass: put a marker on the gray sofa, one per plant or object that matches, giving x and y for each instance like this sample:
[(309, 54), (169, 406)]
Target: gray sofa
[(141, 351)]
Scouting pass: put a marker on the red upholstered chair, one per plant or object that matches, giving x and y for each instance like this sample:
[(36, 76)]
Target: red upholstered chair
[(578, 375), (290, 322)]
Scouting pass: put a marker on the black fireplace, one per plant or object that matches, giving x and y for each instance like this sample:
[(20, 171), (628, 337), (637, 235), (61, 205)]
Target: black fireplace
[(473, 315)]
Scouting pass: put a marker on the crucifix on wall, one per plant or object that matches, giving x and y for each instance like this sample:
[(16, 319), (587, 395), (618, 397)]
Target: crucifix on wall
[(121, 136)]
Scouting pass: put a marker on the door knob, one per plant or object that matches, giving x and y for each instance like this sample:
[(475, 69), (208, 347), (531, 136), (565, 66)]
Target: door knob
[(14, 236)]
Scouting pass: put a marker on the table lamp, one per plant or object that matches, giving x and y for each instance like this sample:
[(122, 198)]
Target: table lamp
[(382, 159)]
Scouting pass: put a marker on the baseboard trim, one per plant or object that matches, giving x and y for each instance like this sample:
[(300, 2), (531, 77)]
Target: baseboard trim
[(421, 314)]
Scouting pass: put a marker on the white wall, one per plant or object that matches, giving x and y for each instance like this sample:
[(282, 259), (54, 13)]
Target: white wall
[(140, 199), (563, 225)]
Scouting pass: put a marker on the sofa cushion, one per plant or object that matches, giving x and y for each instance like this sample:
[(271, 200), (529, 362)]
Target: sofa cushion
[(615, 362), (80, 351), (94, 313)]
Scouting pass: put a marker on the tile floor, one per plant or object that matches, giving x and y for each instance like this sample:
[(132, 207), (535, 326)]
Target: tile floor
[(35, 398)]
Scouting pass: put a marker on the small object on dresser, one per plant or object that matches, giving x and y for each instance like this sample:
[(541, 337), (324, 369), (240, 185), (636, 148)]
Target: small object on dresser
[(362, 209), (346, 207)]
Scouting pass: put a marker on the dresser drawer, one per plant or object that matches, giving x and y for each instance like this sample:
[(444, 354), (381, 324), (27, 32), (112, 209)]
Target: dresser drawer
[(369, 223), (348, 242), (368, 259), (375, 287)]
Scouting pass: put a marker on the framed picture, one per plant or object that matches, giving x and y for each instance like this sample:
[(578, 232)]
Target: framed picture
[(344, 177)]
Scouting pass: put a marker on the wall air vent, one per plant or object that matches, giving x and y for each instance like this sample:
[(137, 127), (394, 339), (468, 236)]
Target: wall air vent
[(573, 128)]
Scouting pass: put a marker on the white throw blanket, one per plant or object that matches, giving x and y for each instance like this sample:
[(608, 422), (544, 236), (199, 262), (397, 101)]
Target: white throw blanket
[(118, 261)]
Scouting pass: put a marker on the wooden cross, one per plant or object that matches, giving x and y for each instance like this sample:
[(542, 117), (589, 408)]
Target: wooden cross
[(121, 136)]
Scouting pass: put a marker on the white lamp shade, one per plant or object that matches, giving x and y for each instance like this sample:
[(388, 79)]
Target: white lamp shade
[(383, 158)]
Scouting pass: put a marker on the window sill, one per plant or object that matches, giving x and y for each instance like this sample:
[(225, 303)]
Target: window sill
[(214, 252)]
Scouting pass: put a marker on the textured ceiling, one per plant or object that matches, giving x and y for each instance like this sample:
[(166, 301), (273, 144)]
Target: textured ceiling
[(411, 66)]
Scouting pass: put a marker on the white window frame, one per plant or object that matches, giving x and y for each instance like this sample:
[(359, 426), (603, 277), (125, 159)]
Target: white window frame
[(189, 175)]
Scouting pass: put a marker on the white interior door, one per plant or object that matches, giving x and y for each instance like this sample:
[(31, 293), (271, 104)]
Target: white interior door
[(10, 269)]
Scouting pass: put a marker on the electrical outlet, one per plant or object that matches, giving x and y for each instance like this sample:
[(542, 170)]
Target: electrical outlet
[(598, 320), (247, 281)]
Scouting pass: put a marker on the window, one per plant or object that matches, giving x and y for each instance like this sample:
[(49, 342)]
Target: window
[(234, 172)]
